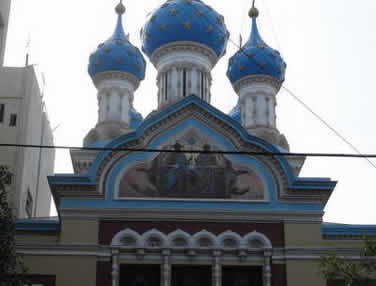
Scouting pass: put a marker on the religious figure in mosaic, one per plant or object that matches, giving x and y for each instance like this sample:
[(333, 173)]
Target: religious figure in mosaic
[(191, 175)]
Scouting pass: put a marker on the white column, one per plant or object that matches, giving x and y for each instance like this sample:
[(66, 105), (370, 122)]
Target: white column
[(125, 107), (166, 268), (206, 87), (217, 269), (169, 86), (272, 111), (114, 112), (102, 98), (193, 81), (267, 268), (267, 111), (179, 86), (160, 85), (115, 267), (174, 85)]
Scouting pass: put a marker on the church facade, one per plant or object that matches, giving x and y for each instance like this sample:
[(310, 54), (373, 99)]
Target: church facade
[(188, 196)]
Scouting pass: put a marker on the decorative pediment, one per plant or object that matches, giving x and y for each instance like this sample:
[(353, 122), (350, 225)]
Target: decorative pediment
[(119, 179)]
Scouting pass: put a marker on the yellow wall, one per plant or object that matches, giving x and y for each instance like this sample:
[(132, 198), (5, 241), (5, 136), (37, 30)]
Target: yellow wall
[(79, 231), (304, 273), (309, 235), (69, 270), (36, 238)]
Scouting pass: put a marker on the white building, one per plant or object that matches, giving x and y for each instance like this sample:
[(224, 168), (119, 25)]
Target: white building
[(4, 19), (23, 120)]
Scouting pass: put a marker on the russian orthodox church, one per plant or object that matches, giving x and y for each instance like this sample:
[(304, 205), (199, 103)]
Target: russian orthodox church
[(187, 196)]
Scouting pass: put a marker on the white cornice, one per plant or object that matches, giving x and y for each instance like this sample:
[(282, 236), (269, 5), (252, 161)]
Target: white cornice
[(184, 46), (251, 79), (118, 75)]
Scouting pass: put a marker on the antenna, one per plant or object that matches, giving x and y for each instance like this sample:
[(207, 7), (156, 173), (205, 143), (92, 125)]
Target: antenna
[(28, 45)]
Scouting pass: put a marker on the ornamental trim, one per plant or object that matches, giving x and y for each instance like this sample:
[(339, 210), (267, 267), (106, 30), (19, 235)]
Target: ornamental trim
[(184, 46), (251, 79), (108, 75)]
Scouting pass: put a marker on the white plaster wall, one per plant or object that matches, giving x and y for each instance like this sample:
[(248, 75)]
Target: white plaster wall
[(115, 98), (4, 19), (258, 103), (20, 93), (173, 64)]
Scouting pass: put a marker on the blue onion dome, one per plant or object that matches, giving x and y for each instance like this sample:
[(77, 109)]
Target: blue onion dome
[(235, 113), (135, 118), (256, 58), (185, 21), (117, 53)]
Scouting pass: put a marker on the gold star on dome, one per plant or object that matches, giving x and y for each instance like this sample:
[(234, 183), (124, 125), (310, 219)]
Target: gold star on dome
[(199, 13), (119, 60), (188, 2), (173, 12), (241, 68), (107, 50), (130, 52), (250, 55), (262, 65), (187, 25), (209, 28), (163, 28)]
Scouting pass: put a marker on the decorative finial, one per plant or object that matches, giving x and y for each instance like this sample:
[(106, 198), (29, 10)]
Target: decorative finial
[(120, 8), (254, 12)]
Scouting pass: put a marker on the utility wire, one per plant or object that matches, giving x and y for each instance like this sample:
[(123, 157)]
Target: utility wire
[(355, 149), (268, 13), (347, 142), (262, 153)]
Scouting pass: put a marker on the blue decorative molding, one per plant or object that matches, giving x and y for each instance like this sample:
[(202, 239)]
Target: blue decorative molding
[(347, 230), (35, 225), (294, 183)]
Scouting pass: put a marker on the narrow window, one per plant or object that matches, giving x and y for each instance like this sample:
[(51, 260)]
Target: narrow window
[(2, 111), (165, 85), (184, 82), (202, 85), (29, 204), (13, 120)]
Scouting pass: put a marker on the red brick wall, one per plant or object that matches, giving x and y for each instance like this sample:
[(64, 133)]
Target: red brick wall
[(279, 277), (103, 273)]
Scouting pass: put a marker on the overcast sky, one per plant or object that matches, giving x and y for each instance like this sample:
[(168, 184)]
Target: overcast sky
[(329, 47)]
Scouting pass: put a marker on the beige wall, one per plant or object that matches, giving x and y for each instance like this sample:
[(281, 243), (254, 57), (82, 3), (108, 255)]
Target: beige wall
[(304, 273), (309, 235), (69, 270), (36, 238), (79, 231)]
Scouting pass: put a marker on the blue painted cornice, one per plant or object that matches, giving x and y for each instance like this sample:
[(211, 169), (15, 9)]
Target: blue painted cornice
[(331, 229), (35, 225), (299, 185)]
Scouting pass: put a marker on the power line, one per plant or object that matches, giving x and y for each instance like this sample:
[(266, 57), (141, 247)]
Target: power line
[(261, 153), (347, 142)]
